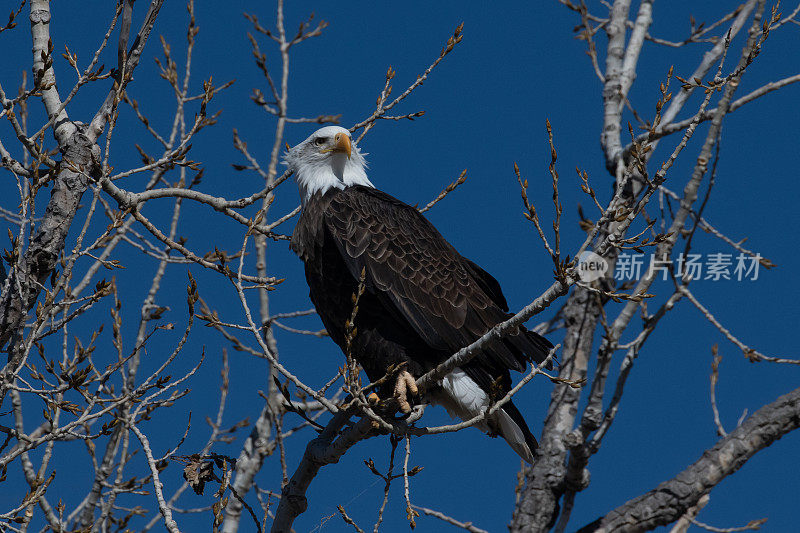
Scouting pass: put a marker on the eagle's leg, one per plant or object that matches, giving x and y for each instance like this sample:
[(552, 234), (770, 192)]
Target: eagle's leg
[(405, 383)]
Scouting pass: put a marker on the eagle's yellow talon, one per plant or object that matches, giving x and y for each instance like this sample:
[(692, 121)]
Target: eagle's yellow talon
[(405, 383)]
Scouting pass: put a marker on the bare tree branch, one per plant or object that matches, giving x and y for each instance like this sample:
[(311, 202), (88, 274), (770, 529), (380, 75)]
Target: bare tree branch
[(327, 448), (672, 498)]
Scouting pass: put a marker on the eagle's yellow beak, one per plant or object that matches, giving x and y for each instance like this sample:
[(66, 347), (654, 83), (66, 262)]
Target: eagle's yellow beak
[(342, 144)]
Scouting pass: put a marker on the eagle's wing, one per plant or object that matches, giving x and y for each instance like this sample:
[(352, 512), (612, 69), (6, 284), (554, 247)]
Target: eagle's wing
[(446, 299)]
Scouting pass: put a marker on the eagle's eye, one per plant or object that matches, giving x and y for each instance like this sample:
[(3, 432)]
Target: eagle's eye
[(319, 141)]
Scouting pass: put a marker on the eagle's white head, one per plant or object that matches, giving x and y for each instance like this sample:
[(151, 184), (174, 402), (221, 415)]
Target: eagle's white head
[(328, 158)]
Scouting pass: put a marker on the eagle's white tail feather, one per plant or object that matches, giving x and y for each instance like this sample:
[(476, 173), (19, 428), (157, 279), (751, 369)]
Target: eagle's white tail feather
[(464, 399), (514, 436)]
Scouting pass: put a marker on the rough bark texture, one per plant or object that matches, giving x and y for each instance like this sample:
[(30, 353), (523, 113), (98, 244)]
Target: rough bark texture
[(545, 479), (22, 287), (255, 450), (671, 499)]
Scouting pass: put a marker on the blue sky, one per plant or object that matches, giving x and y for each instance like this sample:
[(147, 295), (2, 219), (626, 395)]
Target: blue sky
[(486, 106)]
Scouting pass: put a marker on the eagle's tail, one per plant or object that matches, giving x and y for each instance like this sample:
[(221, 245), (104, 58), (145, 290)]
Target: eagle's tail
[(463, 398), (512, 427)]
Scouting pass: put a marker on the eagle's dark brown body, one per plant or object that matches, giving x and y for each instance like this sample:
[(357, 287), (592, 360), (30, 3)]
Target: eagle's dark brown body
[(422, 302)]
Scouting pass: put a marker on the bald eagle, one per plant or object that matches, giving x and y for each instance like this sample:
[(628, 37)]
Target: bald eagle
[(422, 300)]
